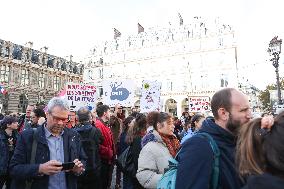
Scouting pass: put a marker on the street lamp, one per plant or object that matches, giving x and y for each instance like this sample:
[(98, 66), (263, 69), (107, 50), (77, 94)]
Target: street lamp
[(274, 50)]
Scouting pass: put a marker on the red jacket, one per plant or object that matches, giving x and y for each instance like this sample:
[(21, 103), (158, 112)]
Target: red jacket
[(106, 150)]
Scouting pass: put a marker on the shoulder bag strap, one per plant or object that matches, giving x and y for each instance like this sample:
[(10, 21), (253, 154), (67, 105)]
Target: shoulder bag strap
[(34, 147), (33, 154), (216, 163)]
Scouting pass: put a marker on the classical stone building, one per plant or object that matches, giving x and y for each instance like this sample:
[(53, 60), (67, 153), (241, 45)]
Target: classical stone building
[(30, 76), (189, 59)]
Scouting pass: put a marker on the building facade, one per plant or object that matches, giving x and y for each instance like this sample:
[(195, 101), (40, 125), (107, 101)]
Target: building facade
[(189, 60), (31, 77)]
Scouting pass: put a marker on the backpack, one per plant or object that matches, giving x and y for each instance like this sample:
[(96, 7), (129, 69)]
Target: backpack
[(125, 162), (90, 144), (168, 180)]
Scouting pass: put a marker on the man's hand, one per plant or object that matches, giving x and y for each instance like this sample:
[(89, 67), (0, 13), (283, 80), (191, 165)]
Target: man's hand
[(41, 120), (50, 168), (267, 122), (78, 168)]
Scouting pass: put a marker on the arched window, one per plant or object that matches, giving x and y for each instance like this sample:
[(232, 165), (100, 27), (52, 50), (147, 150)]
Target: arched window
[(23, 102), (4, 99)]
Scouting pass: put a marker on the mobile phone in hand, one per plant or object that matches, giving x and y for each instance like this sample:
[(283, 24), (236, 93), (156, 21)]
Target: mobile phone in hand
[(67, 166)]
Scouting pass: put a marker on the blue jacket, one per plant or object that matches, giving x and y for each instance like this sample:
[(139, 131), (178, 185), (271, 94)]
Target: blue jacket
[(122, 145), (196, 160), (5, 153), (21, 169)]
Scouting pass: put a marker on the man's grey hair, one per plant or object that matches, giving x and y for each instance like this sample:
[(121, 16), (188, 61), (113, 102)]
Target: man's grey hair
[(57, 102)]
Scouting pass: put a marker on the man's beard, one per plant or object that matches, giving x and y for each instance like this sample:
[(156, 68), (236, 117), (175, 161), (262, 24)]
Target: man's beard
[(233, 125)]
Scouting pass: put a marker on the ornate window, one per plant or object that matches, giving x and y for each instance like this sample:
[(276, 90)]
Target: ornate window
[(4, 73), (25, 77), (56, 83), (41, 80)]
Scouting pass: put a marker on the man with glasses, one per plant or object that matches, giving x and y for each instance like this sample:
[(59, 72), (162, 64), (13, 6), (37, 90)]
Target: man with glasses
[(55, 145)]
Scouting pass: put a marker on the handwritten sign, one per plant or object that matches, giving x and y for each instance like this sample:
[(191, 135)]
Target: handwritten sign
[(199, 104), (79, 95), (150, 99), (118, 92)]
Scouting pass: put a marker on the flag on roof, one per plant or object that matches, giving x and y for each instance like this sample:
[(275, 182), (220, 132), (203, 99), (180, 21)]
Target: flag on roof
[(140, 28), (116, 33), (180, 19)]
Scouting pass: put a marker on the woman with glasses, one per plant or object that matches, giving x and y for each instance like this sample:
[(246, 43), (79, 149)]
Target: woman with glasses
[(158, 146)]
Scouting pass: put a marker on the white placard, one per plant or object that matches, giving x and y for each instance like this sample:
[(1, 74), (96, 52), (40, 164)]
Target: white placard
[(79, 95), (199, 104), (150, 99), (118, 92)]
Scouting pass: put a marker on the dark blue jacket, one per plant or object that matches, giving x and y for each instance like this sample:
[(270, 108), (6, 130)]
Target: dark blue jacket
[(92, 152), (196, 160), (5, 154), (21, 169), (122, 145)]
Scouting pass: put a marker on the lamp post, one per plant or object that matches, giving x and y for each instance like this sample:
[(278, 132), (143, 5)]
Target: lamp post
[(274, 50)]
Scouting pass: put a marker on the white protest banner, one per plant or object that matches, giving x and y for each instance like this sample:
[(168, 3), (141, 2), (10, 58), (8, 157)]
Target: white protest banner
[(79, 95), (199, 104), (150, 99), (118, 92)]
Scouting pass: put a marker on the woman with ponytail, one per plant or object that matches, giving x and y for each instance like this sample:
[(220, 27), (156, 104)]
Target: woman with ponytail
[(260, 153)]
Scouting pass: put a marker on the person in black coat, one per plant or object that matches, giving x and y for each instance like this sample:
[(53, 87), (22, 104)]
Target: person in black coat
[(8, 138), (91, 138), (260, 153), (56, 144), (122, 145), (133, 138)]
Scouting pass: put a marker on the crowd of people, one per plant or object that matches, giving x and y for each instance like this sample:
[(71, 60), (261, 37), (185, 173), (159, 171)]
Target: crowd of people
[(39, 151)]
